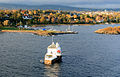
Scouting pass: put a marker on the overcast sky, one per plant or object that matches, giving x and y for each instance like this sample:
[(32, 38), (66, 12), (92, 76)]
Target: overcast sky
[(74, 3)]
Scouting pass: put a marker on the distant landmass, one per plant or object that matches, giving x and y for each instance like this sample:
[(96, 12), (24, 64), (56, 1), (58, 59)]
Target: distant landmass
[(53, 7)]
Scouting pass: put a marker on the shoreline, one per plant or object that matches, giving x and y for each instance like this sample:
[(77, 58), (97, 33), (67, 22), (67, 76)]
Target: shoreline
[(61, 24), (37, 25)]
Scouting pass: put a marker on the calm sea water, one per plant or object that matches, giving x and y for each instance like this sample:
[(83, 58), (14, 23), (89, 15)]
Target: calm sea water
[(86, 54)]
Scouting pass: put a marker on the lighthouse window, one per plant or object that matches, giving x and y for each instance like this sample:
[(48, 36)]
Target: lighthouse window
[(49, 56)]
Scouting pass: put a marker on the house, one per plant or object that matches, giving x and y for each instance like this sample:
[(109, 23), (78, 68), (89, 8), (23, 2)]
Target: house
[(26, 16)]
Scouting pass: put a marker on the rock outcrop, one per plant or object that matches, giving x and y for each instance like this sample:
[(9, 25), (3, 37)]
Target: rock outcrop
[(109, 30)]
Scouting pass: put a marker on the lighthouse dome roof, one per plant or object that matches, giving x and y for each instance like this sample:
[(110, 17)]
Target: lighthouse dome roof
[(52, 45)]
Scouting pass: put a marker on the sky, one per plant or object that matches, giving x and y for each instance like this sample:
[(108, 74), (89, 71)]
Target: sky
[(73, 3)]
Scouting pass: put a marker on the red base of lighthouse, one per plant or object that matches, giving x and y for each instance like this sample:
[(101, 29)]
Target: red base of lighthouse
[(49, 62)]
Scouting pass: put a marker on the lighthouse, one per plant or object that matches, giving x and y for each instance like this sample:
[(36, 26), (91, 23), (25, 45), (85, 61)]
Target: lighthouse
[(53, 54)]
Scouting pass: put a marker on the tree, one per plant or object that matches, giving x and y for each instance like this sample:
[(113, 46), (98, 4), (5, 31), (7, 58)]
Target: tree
[(75, 16), (1, 24), (30, 12), (35, 12), (42, 20), (6, 22), (53, 20)]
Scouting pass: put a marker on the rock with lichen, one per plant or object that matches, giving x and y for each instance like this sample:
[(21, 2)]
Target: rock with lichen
[(109, 30)]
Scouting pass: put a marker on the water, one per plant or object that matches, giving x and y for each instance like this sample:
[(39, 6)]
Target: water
[(86, 54)]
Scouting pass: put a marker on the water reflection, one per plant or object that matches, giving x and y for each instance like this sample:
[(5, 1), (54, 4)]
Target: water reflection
[(52, 70)]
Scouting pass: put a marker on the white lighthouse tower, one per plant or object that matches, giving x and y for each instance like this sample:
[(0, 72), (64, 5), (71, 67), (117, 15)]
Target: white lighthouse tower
[(53, 54)]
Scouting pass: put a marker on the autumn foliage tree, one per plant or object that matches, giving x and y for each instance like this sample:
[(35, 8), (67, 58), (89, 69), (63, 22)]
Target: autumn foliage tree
[(1, 24), (6, 23), (42, 20)]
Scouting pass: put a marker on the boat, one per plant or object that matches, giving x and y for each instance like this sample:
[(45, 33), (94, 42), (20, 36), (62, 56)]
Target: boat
[(106, 23), (69, 31), (53, 54)]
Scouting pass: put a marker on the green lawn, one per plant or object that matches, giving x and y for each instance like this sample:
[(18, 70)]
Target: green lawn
[(9, 28)]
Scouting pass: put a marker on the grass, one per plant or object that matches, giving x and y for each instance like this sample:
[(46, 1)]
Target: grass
[(10, 28)]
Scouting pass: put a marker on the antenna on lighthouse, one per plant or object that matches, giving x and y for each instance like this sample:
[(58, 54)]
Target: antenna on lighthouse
[(52, 38)]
